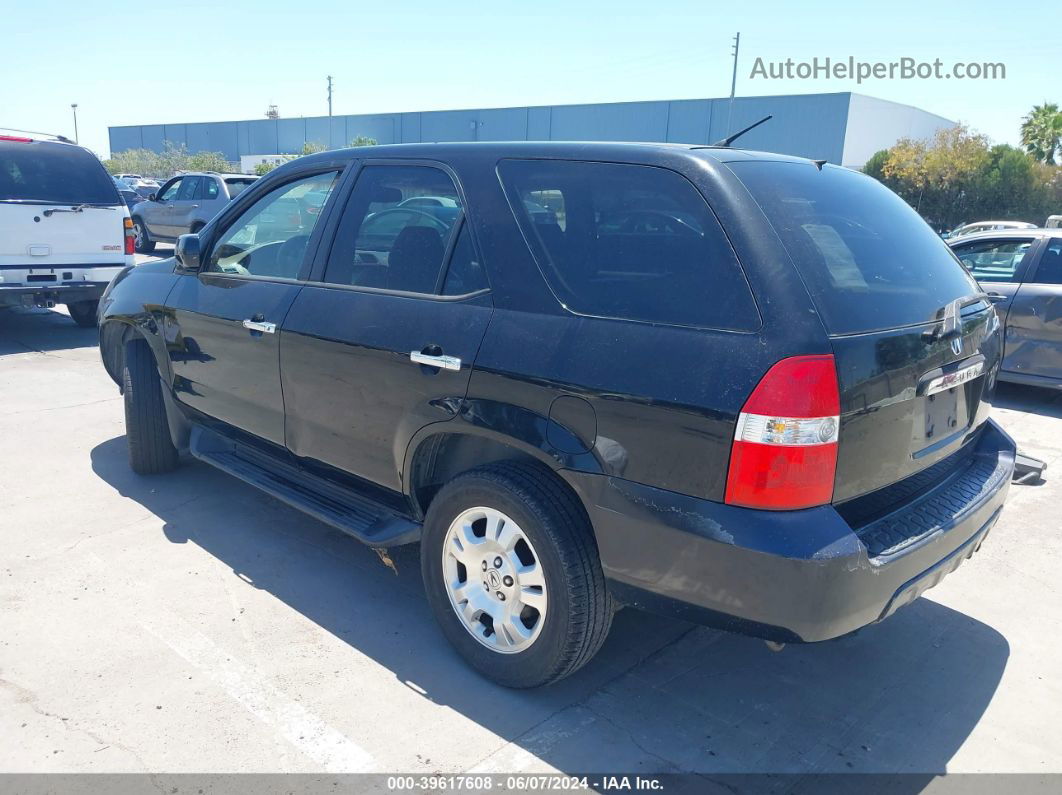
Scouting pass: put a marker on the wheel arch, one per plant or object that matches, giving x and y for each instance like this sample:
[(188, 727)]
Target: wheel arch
[(441, 451)]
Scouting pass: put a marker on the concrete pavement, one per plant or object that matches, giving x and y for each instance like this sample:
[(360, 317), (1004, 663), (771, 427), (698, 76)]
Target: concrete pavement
[(188, 623)]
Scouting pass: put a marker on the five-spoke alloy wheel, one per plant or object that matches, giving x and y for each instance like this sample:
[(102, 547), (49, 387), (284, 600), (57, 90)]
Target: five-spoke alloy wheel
[(512, 573), (494, 579)]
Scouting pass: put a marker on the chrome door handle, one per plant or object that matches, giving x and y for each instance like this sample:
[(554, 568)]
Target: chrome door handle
[(258, 325), (445, 362)]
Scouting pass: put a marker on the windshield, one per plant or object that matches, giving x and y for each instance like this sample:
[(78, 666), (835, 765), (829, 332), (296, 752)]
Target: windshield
[(868, 260), (42, 171)]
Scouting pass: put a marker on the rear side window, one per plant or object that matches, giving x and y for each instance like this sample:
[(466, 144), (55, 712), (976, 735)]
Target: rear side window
[(868, 260), (631, 242), (237, 186), (994, 260), (53, 173)]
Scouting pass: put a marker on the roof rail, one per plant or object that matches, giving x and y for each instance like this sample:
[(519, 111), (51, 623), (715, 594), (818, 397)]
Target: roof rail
[(62, 138)]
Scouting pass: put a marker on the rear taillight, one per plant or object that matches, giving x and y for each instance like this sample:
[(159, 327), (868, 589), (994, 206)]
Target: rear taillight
[(130, 237), (784, 455), (16, 139)]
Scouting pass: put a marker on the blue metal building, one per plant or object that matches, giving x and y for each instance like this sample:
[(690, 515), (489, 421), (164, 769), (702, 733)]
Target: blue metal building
[(844, 128)]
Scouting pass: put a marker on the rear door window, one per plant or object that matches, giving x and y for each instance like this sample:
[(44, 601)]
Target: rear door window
[(53, 173), (1049, 271), (384, 243), (629, 241), (994, 260), (868, 260)]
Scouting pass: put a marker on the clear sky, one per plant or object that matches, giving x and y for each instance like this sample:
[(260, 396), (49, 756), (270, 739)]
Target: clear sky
[(140, 62)]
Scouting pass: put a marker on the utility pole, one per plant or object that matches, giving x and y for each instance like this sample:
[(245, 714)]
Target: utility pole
[(733, 83), (74, 106), (330, 111)]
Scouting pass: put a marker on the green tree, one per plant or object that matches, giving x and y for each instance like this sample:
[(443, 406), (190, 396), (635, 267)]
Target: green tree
[(363, 140), (937, 177), (164, 164), (1041, 132)]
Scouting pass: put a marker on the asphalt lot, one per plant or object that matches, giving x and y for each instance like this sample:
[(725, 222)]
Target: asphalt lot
[(188, 623)]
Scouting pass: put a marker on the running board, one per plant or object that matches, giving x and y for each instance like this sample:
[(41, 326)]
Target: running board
[(344, 509)]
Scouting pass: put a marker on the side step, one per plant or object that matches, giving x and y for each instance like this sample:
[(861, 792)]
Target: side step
[(344, 509)]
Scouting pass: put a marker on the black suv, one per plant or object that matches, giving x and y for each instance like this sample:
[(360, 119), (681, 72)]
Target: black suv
[(741, 388)]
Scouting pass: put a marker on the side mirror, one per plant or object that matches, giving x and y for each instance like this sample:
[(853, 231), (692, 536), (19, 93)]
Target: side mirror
[(187, 253)]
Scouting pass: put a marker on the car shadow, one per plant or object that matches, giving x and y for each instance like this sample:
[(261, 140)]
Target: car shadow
[(662, 696), (43, 330), (1033, 399)]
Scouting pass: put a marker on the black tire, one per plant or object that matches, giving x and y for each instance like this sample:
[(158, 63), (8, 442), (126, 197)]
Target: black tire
[(550, 515), (83, 313), (196, 228), (144, 243), (151, 450)]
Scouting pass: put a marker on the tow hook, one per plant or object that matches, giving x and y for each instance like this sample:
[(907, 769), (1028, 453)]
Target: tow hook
[(774, 645)]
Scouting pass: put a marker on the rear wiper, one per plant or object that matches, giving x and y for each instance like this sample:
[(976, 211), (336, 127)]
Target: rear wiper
[(76, 208)]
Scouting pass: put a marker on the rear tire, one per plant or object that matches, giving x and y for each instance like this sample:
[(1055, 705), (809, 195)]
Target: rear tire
[(151, 450), (576, 607), (196, 228), (142, 242), (83, 313)]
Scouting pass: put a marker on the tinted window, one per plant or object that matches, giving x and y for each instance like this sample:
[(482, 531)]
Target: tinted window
[(208, 188), (869, 261), (189, 185), (629, 242), (994, 260), (385, 244), (269, 238), (52, 172), (1049, 271), (237, 186), (465, 273)]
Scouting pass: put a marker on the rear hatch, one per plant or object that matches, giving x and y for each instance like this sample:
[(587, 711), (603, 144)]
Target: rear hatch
[(58, 207), (916, 347)]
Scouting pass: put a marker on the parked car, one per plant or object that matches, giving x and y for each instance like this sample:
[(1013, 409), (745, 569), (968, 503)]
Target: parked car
[(129, 197), (1021, 271), (1053, 222), (184, 204), (64, 230), (768, 413), (986, 226)]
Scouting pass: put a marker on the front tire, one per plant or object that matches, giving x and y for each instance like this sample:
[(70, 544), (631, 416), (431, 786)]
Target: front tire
[(141, 241), (513, 576), (151, 450), (83, 313)]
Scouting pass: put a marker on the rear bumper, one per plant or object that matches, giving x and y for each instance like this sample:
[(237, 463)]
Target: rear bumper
[(793, 576), (47, 293)]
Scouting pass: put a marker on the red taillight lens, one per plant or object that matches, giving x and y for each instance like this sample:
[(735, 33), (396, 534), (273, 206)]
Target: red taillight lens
[(784, 455), (130, 237), (16, 139)]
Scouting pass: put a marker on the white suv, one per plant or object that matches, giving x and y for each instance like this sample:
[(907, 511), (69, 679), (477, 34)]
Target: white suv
[(64, 230)]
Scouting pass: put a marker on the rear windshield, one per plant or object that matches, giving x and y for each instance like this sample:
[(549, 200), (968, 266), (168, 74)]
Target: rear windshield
[(869, 261), (53, 173), (237, 186)]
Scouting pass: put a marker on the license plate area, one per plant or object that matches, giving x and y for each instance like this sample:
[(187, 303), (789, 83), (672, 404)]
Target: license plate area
[(945, 413)]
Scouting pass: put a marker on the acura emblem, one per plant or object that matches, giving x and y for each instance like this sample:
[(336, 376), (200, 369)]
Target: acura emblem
[(956, 345)]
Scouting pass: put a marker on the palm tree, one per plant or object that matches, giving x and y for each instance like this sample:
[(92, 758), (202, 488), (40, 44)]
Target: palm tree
[(1041, 132)]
